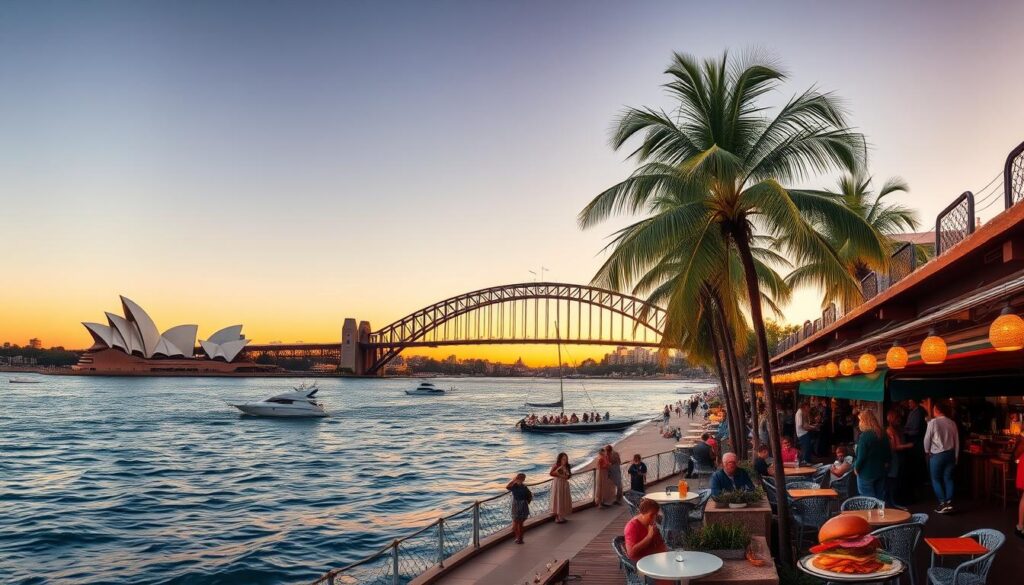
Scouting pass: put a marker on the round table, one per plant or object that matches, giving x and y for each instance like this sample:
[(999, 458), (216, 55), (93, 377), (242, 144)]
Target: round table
[(671, 498), (685, 445), (892, 516), (799, 470), (665, 566)]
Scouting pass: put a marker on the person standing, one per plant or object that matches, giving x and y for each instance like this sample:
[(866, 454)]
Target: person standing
[(601, 479), (638, 474), (521, 498), (913, 433), (894, 485), (872, 456), (615, 474), (804, 427), (942, 447), (561, 496)]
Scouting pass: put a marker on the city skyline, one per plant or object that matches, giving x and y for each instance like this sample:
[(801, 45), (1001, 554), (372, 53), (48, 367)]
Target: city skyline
[(199, 163)]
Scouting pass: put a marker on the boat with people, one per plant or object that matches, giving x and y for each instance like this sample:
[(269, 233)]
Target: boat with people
[(427, 389), (24, 381), (299, 403)]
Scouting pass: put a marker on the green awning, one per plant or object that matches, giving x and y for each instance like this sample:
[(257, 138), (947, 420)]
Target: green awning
[(865, 387)]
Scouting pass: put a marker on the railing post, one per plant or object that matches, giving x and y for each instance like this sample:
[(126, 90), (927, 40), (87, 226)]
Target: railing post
[(440, 542), (476, 524), (657, 467), (396, 579)]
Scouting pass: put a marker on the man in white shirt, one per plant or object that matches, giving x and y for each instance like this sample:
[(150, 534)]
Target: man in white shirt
[(942, 447), (803, 429)]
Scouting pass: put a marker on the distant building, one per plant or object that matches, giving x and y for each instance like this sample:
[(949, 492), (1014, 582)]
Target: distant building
[(35, 343)]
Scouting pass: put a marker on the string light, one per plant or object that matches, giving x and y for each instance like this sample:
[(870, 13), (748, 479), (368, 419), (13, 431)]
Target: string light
[(867, 363), (832, 369), (933, 349), (896, 357), (847, 367)]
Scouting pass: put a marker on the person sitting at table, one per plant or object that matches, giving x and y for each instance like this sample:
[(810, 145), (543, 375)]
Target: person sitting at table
[(761, 461), (843, 462), (730, 477), (641, 533), (702, 454), (789, 454)]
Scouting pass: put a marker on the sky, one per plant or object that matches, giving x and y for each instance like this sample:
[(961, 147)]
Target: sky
[(288, 164)]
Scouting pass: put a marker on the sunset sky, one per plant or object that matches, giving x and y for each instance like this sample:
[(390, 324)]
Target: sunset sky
[(287, 165)]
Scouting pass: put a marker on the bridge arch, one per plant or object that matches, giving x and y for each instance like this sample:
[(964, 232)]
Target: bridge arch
[(504, 315)]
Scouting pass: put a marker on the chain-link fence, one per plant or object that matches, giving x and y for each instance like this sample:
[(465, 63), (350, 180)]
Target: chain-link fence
[(408, 557)]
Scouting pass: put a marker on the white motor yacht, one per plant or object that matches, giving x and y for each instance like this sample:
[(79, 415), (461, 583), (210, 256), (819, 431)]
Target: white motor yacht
[(426, 388), (299, 403)]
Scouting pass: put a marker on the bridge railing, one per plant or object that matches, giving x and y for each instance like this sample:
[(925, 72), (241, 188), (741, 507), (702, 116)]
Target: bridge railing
[(488, 519)]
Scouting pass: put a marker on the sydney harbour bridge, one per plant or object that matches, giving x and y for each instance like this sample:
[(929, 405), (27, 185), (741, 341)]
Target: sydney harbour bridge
[(526, 313)]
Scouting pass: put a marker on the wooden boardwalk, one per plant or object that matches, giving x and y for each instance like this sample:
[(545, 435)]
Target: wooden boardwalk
[(597, 563)]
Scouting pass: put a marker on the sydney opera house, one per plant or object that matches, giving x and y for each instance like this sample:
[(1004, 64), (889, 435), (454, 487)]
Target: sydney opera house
[(132, 345)]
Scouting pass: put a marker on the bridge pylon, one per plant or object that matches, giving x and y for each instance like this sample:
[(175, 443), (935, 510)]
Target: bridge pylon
[(354, 356)]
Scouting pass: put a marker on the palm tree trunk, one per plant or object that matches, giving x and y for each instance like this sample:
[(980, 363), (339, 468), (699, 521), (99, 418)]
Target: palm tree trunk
[(755, 436), (740, 237), (715, 346), (737, 422)]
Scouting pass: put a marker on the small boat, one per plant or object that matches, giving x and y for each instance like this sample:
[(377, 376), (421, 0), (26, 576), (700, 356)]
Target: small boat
[(299, 403), (426, 388), (24, 381), (580, 427)]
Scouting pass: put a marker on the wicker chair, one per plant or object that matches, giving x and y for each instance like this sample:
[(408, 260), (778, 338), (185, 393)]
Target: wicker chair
[(862, 503), (700, 472), (697, 513), (626, 565), (921, 518), (901, 542), (675, 523), (842, 484), (808, 515), (822, 475), (772, 494), (802, 485), (632, 500), (681, 460), (974, 571)]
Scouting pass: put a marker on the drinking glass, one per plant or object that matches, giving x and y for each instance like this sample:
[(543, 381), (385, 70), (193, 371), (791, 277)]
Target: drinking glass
[(881, 511), (679, 556)]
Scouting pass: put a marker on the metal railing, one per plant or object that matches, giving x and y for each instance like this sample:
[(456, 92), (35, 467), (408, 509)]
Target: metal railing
[(431, 546), (952, 225)]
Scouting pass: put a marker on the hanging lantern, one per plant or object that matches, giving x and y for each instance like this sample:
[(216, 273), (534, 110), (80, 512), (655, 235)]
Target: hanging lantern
[(821, 371), (933, 350), (867, 363), (896, 357), (847, 367), (832, 369), (1007, 332)]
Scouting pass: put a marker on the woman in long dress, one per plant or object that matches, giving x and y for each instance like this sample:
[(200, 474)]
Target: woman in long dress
[(615, 473), (601, 479), (561, 496)]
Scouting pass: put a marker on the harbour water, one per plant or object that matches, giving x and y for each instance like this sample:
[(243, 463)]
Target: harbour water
[(157, 480)]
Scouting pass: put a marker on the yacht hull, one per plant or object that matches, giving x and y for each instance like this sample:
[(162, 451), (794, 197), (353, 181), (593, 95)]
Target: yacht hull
[(279, 411), (598, 427), (425, 392)]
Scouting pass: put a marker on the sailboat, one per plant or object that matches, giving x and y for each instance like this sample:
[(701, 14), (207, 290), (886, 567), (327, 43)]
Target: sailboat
[(596, 426)]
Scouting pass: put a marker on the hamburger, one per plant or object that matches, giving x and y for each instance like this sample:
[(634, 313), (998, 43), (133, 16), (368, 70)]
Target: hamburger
[(846, 546)]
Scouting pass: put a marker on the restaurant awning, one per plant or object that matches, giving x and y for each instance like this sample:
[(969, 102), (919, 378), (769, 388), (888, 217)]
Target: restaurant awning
[(865, 387), (953, 386)]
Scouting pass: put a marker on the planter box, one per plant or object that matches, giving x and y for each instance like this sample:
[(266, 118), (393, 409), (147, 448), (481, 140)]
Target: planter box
[(732, 554)]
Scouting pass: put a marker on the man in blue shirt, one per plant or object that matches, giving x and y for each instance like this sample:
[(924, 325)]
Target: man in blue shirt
[(730, 477)]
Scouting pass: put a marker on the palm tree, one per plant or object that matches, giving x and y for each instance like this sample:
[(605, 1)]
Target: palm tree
[(725, 160), (854, 190)]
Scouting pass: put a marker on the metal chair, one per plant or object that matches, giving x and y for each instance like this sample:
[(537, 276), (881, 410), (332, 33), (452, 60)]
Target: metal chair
[(681, 460), (974, 571), (842, 484), (921, 518), (697, 513), (808, 515), (675, 523), (700, 471), (901, 542), (861, 503), (626, 565), (632, 500)]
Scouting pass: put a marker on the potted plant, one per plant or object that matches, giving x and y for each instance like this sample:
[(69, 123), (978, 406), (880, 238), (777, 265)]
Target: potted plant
[(738, 498), (727, 540)]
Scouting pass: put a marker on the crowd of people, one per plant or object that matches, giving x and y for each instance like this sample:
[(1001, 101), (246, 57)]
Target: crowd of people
[(566, 419)]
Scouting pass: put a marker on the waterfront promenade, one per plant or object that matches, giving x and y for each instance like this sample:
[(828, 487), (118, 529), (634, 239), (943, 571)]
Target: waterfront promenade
[(505, 562)]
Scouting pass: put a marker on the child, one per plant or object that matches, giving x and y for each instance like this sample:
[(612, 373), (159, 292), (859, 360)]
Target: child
[(521, 498)]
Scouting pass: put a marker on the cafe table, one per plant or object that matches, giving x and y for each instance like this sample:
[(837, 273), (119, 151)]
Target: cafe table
[(672, 497), (685, 445), (881, 517), (797, 471), (813, 493), (679, 565), (959, 546)]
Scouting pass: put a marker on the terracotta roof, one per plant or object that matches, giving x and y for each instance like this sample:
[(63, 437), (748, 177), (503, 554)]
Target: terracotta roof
[(918, 238)]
